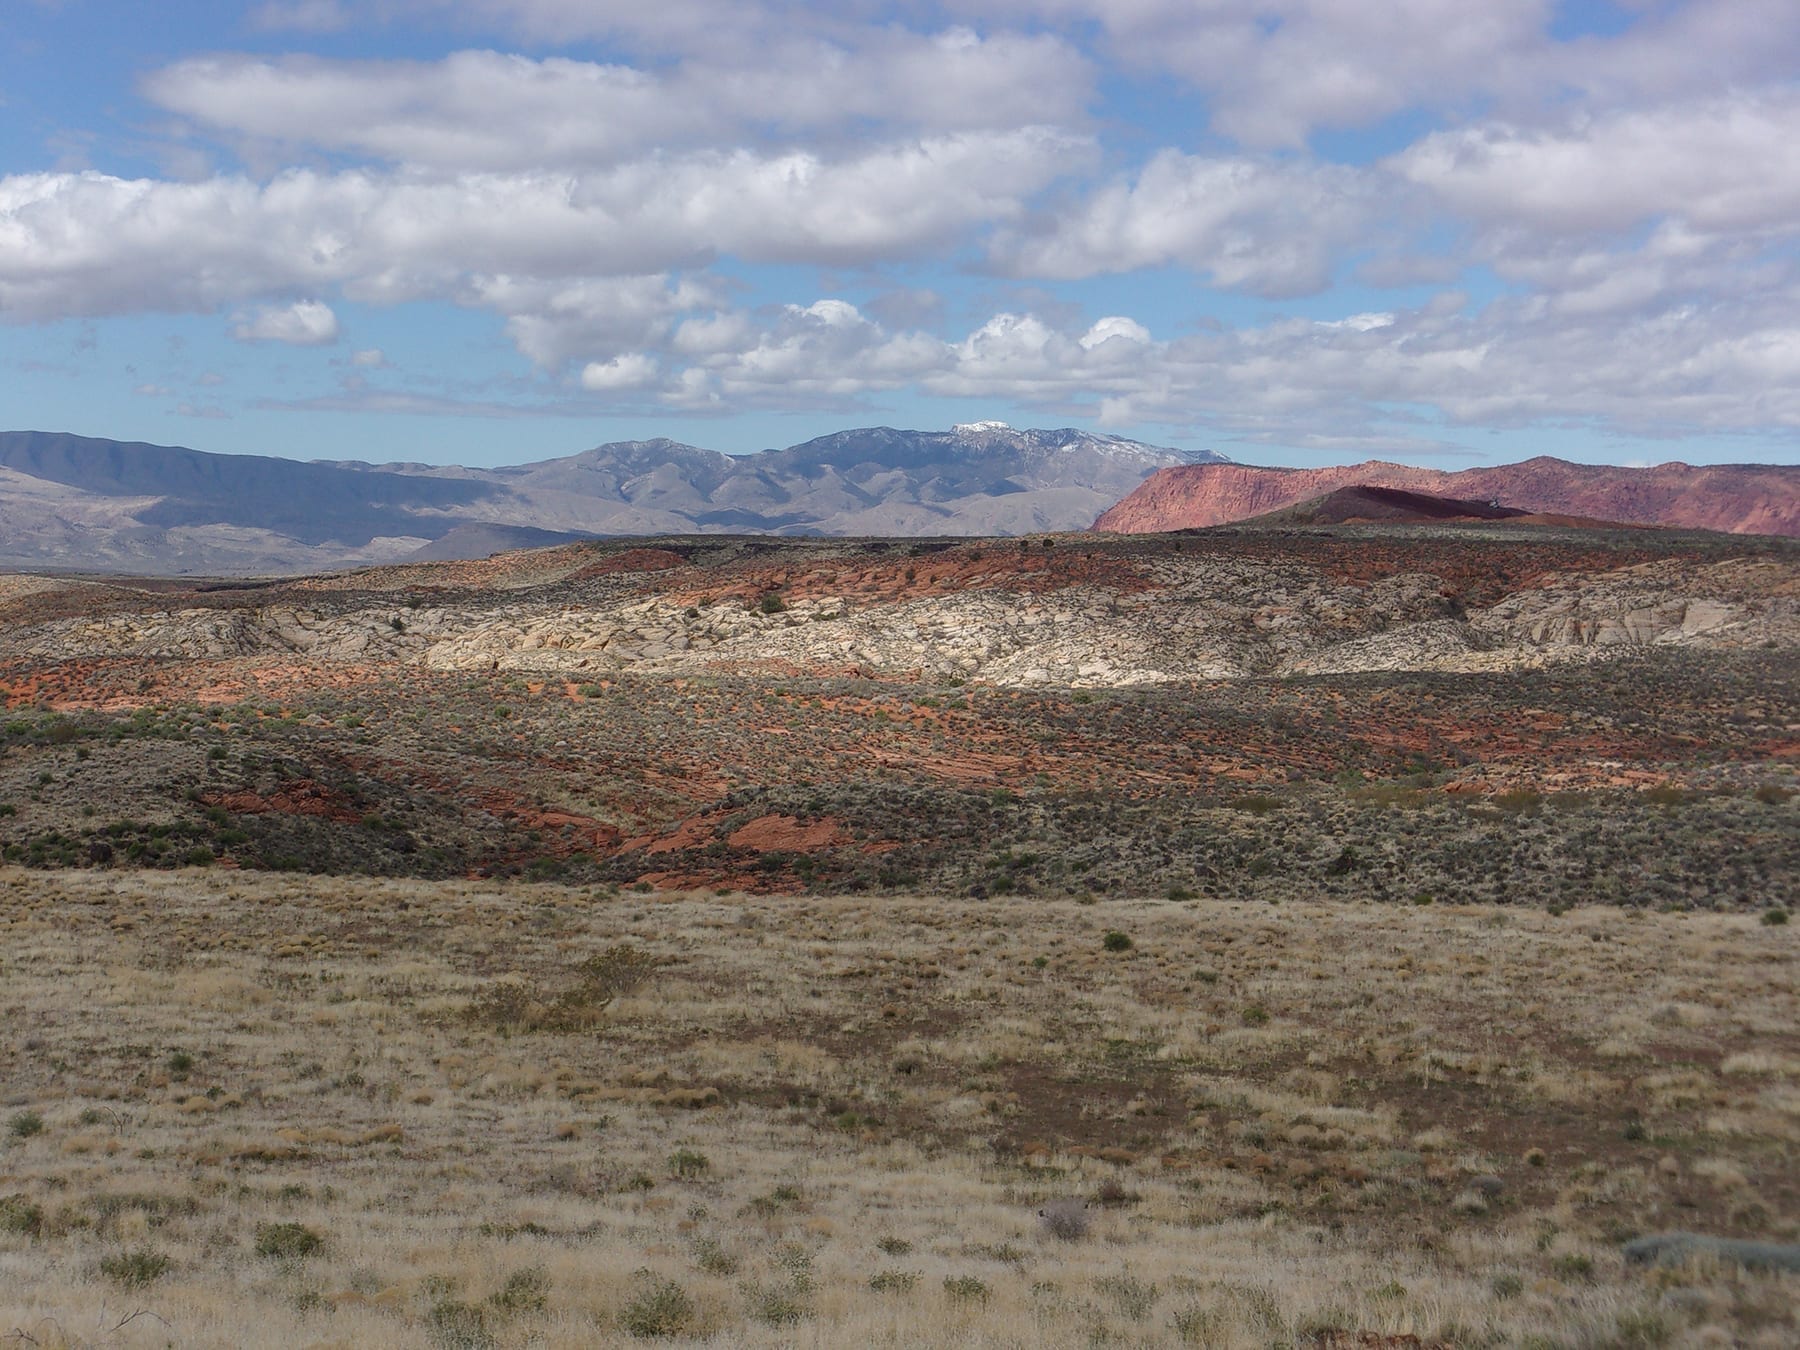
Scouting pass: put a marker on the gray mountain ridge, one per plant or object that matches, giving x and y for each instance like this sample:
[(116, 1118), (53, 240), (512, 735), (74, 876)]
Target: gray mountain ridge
[(87, 504)]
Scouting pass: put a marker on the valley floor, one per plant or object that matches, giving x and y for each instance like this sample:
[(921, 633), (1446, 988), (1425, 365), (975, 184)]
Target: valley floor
[(273, 1110)]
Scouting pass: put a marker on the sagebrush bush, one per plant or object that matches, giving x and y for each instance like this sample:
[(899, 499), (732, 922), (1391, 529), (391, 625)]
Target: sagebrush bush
[(24, 1124), (596, 983), (287, 1241), (660, 1307), (136, 1268)]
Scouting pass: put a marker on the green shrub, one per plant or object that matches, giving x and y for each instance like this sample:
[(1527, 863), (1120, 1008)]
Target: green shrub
[(1116, 941), (893, 1281), (776, 1305), (688, 1163), (659, 1308), (711, 1257), (136, 1268), (287, 1241), (1775, 917), (525, 1291), (19, 1215), (965, 1289), (24, 1124), (1574, 1267), (460, 1326)]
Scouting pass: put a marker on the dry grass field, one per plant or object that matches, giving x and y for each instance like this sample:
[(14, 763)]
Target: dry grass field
[(277, 1110)]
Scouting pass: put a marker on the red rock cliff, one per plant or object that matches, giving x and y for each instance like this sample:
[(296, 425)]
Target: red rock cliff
[(1739, 498)]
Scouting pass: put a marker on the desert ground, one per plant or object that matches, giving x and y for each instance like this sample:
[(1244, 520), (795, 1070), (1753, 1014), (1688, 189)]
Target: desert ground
[(282, 1111), (1326, 937)]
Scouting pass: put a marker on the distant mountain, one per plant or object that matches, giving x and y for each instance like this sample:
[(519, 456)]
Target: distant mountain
[(81, 503), (1739, 498)]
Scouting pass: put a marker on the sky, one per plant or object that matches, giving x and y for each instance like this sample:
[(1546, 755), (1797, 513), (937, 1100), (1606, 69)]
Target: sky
[(1290, 231)]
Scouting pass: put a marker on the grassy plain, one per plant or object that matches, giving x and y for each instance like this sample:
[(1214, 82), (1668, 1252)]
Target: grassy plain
[(284, 1110)]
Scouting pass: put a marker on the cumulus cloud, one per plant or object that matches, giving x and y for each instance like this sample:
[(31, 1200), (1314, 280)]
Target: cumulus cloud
[(93, 244), (1275, 72), (305, 323), (1725, 164), (486, 110), (1265, 227), (630, 370), (1317, 384)]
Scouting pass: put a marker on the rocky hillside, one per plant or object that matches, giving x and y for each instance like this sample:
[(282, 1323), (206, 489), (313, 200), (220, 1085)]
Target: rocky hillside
[(1737, 498), (1073, 613), (97, 505), (1363, 504), (1499, 712)]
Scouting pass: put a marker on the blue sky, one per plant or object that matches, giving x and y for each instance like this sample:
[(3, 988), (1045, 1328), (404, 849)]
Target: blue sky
[(1294, 231)]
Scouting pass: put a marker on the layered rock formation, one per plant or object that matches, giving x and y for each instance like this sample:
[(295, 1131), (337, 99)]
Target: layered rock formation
[(1736, 498)]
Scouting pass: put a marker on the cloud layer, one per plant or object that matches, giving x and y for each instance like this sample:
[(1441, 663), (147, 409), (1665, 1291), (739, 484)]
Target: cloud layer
[(1542, 226)]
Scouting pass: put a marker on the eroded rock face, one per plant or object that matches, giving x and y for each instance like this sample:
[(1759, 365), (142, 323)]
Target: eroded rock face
[(1736, 498), (1136, 615)]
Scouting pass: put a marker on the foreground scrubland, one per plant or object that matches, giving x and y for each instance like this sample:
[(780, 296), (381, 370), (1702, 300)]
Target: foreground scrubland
[(267, 1110)]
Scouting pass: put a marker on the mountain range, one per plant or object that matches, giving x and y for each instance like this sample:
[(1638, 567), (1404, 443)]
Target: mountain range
[(1736, 498), (88, 504)]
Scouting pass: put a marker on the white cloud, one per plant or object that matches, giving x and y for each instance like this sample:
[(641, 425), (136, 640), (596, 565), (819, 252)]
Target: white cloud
[(305, 323), (1117, 327), (1274, 72), (1725, 164), (1265, 227), (370, 358), (485, 110), (1333, 384), (630, 370), (93, 244)]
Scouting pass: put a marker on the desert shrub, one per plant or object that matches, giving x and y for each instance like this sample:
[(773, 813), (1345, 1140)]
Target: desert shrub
[(894, 1246), (965, 1289), (1066, 1220), (24, 1124), (460, 1326), (712, 1257), (135, 1268), (1774, 917), (771, 604), (775, 1305), (597, 982), (1576, 1267), (688, 1163), (19, 1215), (659, 1308), (1116, 941), (525, 1291), (287, 1241), (893, 1281), (785, 1196)]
